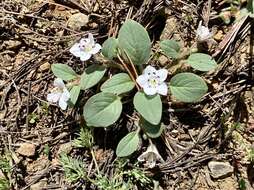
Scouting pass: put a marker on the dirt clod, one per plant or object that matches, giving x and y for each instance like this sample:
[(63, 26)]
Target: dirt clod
[(26, 149)]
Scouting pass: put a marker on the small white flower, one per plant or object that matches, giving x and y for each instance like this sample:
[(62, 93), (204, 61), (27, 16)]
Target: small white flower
[(59, 94), (85, 48), (152, 81), (150, 156), (203, 33)]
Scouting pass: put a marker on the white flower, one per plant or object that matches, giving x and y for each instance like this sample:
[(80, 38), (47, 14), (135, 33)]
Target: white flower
[(150, 156), (152, 81), (203, 32), (85, 48), (59, 94)]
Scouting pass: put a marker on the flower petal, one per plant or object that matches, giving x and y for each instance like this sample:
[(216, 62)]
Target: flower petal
[(142, 157), (84, 56), (65, 95), (162, 89), (96, 49), (162, 74), (151, 161), (91, 39), (149, 70), (59, 83), (149, 90), (203, 32), (75, 50), (62, 103), (142, 80), (53, 97)]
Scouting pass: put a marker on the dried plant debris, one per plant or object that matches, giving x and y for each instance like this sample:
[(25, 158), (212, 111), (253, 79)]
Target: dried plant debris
[(108, 94)]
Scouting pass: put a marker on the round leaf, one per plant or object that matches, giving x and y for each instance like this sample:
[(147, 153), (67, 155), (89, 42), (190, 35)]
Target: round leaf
[(74, 94), (134, 40), (63, 72), (102, 110), (109, 48), (92, 75), (118, 84), (201, 62), (170, 48), (128, 144), (152, 131), (150, 107), (187, 87)]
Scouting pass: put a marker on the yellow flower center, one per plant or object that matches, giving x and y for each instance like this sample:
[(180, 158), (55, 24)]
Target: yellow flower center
[(153, 82)]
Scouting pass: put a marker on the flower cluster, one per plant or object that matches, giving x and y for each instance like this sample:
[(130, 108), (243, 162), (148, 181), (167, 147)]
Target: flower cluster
[(59, 94), (152, 81), (85, 48), (203, 33), (150, 156)]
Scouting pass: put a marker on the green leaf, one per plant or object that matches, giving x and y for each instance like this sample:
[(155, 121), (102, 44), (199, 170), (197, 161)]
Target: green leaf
[(187, 87), (150, 107), (109, 48), (128, 144), (92, 75), (250, 6), (74, 94), (201, 62), (118, 84), (63, 72), (170, 48), (134, 40), (102, 110), (152, 131)]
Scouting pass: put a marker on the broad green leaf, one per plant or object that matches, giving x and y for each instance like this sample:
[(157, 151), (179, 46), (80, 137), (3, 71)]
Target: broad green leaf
[(150, 107), (118, 84), (170, 48), (102, 110), (187, 87), (63, 72), (92, 75), (201, 62), (152, 131), (134, 40), (74, 94), (128, 144), (109, 48)]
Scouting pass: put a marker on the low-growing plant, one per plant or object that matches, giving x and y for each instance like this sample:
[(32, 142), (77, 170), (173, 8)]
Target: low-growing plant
[(131, 77), (4, 184), (85, 139), (5, 167), (74, 169)]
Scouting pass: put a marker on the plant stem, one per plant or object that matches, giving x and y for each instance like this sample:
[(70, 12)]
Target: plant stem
[(132, 66), (129, 72)]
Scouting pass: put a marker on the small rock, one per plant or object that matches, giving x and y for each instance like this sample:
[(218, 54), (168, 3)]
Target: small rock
[(65, 148), (220, 169), (44, 67), (77, 20), (39, 186), (26, 149)]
